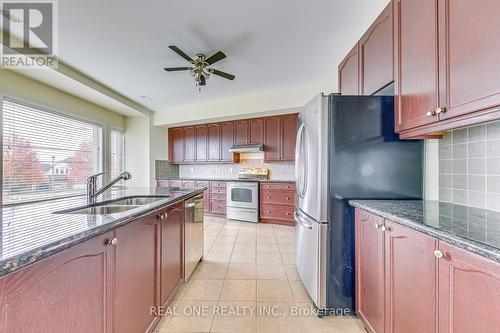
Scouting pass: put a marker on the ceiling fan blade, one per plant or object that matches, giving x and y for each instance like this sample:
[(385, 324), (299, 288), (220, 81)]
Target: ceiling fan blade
[(222, 74), (182, 54), (175, 69), (216, 57)]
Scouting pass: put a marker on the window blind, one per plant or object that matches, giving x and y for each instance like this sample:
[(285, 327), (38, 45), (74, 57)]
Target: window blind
[(46, 154), (117, 151)]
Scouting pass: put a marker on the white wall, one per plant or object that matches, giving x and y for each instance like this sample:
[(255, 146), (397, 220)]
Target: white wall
[(242, 106), (144, 143)]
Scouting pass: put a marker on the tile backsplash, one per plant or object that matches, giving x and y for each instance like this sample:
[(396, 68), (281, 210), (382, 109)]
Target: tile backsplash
[(469, 166), (163, 169), (277, 171)]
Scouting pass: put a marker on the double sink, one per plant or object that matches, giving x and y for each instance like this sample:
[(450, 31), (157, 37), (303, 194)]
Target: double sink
[(119, 205)]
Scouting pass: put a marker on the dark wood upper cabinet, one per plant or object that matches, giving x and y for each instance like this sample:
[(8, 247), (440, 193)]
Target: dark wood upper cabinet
[(288, 134), (256, 131), (376, 54), (240, 132), (214, 142), (349, 73), (171, 251), (201, 143), (77, 282), (410, 280), (416, 62), (370, 290), (272, 140), (189, 144), (176, 144), (135, 264), (227, 140), (469, 53)]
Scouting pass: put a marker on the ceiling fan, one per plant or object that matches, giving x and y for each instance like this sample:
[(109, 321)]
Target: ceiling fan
[(200, 69)]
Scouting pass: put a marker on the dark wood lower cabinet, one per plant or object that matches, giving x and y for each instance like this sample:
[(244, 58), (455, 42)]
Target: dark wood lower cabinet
[(71, 291), (370, 288), (410, 280), (104, 285), (407, 281), (171, 252), (469, 292), (136, 260)]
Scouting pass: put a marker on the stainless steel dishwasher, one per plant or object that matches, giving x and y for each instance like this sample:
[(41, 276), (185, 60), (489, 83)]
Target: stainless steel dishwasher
[(193, 234)]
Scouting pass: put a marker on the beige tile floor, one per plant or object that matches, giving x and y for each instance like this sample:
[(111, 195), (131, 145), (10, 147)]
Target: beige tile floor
[(247, 283)]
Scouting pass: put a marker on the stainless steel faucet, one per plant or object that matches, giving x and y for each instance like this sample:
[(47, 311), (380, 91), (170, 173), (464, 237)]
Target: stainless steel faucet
[(93, 193)]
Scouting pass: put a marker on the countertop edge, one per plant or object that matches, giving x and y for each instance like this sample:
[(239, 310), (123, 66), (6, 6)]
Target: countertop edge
[(26, 259), (466, 244), (227, 179)]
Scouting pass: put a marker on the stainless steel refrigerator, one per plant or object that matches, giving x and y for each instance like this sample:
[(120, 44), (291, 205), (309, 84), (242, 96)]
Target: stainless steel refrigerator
[(346, 149)]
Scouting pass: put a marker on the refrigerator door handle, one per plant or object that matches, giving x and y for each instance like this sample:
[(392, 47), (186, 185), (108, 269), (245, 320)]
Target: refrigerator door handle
[(300, 167), (301, 222)]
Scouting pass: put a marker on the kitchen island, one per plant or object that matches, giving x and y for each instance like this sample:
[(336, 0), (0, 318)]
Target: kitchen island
[(80, 272)]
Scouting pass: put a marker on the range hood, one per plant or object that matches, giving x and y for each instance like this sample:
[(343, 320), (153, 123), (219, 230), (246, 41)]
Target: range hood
[(247, 148)]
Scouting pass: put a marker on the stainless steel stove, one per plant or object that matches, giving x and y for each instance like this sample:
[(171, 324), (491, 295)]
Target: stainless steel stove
[(243, 196)]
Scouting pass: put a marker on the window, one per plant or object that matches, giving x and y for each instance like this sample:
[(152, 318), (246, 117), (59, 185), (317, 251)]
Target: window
[(46, 154), (117, 152)]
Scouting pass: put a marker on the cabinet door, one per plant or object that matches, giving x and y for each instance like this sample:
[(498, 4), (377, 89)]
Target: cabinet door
[(201, 143), (416, 62), (272, 139), (188, 183), (76, 283), (241, 132), (206, 194), (370, 289), (189, 144), (288, 137), (411, 280), (214, 142), (256, 131), (349, 73), (135, 275), (471, 55), (171, 252), (469, 292), (376, 52), (176, 145), (227, 140)]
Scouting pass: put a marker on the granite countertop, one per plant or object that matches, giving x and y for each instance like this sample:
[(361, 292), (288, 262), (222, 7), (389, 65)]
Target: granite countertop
[(474, 229), (227, 179), (32, 232)]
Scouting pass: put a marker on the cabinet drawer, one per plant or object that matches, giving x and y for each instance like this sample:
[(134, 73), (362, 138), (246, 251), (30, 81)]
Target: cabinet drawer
[(218, 190), (277, 197), (218, 207), (277, 186), (218, 197), (217, 184), (273, 212), (163, 183)]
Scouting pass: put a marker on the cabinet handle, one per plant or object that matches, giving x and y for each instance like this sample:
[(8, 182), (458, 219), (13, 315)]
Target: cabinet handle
[(439, 254), (440, 110), (268, 197), (384, 228), (431, 113), (111, 242), (377, 226), (162, 216), (287, 198)]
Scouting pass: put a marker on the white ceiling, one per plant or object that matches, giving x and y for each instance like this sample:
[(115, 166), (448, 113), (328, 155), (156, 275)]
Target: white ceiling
[(272, 44)]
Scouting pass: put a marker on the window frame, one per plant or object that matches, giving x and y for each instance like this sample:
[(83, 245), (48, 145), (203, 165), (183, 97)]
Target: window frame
[(122, 131), (105, 163)]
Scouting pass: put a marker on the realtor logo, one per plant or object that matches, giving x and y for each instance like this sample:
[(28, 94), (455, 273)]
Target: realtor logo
[(29, 31)]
